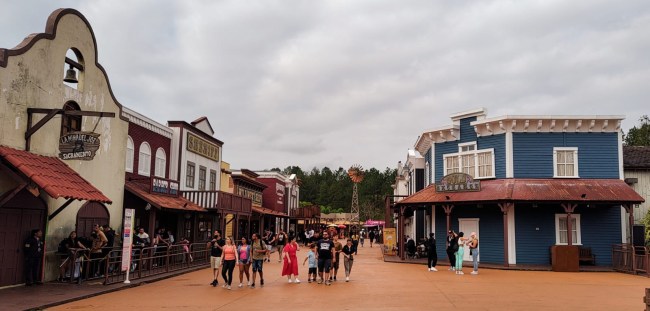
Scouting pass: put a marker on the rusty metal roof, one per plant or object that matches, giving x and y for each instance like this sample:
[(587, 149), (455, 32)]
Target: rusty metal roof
[(52, 175), (268, 211), (537, 190), (161, 201)]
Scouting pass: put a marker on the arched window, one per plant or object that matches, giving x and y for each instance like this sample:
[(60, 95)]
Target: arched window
[(130, 152), (70, 123), (161, 162), (144, 160)]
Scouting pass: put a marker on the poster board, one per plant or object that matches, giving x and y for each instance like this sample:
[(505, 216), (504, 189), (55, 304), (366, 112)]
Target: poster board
[(390, 240)]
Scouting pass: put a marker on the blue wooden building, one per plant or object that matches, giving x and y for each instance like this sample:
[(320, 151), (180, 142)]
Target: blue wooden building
[(544, 181)]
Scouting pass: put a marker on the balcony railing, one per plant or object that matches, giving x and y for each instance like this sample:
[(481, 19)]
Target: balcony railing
[(219, 200)]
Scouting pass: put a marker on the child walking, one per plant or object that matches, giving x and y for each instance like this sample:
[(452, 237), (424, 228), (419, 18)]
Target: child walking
[(311, 257)]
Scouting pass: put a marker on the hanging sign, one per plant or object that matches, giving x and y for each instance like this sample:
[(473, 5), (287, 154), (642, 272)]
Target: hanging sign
[(458, 182), (78, 146)]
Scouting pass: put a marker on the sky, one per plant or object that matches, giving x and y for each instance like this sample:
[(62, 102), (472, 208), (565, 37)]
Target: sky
[(336, 83)]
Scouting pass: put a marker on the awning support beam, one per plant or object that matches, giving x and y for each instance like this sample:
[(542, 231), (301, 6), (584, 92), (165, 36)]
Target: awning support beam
[(569, 208), (60, 209), (10, 195)]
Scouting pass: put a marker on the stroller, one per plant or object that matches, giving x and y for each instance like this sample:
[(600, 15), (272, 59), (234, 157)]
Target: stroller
[(411, 249)]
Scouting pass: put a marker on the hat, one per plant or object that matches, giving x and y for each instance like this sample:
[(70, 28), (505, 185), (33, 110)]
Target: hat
[(473, 234)]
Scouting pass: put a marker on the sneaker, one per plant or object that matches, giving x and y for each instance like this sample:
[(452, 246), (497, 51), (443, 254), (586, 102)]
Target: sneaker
[(460, 272), (347, 279), (241, 285), (297, 281), (452, 269), (249, 283), (290, 281), (308, 280), (262, 282), (320, 281), (429, 269), (434, 269), (279, 260), (334, 279), (214, 283), (474, 272), (228, 287), (328, 283), (253, 285), (224, 285)]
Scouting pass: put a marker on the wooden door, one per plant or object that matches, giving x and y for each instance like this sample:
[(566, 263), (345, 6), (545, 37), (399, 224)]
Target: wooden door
[(15, 227), (467, 226)]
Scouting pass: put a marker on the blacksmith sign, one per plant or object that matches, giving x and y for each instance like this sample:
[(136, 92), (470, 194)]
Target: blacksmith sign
[(458, 182), (78, 146), (202, 147)]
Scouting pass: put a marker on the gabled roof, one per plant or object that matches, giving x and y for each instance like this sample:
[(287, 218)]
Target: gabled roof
[(205, 120), (636, 157), (52, 175)]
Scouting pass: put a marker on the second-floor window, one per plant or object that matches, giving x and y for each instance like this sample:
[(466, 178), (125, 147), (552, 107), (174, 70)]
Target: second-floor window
[(144, 159), (565, 162), (189, 175), (130, 152), (479, 163), (161, 162), (201, 177), (213, 180)]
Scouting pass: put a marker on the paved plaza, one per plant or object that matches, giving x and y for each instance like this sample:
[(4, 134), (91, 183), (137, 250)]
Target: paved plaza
[(377, 285)]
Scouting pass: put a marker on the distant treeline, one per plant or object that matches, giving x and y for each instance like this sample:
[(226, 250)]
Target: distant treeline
[(332, 189)]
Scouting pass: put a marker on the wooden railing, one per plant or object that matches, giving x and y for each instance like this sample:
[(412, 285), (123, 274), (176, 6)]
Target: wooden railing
[(631, 259), (225, 201)]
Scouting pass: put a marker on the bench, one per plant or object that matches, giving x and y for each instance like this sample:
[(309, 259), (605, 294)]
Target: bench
[(586, 255)]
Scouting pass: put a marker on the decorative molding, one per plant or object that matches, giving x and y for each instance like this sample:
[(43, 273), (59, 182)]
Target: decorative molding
[(149, 124), (547, 124)]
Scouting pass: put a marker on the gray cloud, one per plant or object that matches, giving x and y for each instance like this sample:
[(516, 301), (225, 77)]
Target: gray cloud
[(339, 82)]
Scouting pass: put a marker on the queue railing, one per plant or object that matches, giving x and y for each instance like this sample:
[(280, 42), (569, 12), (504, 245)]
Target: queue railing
[(631, 259)]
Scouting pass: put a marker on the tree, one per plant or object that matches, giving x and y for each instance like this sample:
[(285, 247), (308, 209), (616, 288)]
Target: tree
[(639, 136)]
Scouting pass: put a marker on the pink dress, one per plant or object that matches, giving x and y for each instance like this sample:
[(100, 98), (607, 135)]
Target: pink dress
[(290, 268)]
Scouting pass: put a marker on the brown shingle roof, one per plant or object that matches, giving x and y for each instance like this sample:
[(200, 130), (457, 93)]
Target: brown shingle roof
[(636, 157)]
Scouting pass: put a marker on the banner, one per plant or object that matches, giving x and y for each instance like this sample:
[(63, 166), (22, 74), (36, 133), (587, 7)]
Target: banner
[(390, 240), (127, 238)]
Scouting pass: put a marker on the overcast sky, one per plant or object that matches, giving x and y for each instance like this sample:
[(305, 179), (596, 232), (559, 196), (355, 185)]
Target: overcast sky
[(334, 83)]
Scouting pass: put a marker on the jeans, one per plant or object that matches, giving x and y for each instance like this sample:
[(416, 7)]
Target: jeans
[(475, 258), (348, 265)]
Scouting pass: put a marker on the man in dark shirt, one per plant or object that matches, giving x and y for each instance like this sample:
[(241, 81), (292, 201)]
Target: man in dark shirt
[(452, 247), (216, 248), (33, 256), (325, 248)]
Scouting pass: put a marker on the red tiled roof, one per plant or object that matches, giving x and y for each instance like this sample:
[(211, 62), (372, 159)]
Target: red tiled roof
[(161, 201), (268, 211), (542, 190), (52, 175)]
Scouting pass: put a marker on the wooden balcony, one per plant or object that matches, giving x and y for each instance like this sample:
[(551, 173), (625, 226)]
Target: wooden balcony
[(306, 212), (220, 201)]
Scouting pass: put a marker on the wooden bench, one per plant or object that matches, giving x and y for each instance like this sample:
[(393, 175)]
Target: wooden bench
[(586, 255)]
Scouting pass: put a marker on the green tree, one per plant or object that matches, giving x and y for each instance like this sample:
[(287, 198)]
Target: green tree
[(639, 136)]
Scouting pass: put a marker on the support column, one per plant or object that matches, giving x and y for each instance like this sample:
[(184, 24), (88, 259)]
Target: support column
[(400, 234), (448, 208), (629, 208), (569, 208), (505, 208)]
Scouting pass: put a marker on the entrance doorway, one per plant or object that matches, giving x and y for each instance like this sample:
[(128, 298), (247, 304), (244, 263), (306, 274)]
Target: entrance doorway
[(18, 217), (90, 214), (467, 226)]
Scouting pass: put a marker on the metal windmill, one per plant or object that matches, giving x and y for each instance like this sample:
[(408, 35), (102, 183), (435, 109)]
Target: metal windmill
[(356, 175)]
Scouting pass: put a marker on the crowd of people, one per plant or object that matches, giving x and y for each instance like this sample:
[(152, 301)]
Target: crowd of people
[(323, 258)]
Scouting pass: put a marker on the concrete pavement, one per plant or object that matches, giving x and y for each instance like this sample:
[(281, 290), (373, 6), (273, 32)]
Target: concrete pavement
[(377, 285)]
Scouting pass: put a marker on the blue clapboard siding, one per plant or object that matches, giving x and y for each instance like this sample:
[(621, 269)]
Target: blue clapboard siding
[(535, 229), (498, 142), (441, 150), (467, 132), (490, 230), (427, 159), (597, 154), (601, 227)]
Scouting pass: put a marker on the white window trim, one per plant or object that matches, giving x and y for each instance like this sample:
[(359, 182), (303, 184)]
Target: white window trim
[(160, 171), (129, 158), (147, 166), (475, 152), (426, 174), (471, 143), (557, 229), (575, 161)]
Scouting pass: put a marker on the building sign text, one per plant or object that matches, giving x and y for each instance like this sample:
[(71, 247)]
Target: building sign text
[(78, 146), (458, 182), (202, 147)]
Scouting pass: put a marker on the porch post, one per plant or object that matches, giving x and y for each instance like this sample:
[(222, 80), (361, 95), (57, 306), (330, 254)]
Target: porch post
[(629, 209), (400, 238), (569, 208), (448, 208), (505, 208)]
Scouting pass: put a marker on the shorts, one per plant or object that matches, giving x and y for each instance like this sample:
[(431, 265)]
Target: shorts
[(324, 265), (279, 247), (269, 248), (243, 262), (257, 265), (215, 262), (312, 270), (335, 265)]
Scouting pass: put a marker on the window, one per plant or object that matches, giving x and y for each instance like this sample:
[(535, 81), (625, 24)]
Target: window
[(189, 175), (161, 162), (130, 152), (426, 174), (479, 163), (451, 165), (561, 229), (213, 180), (70, 123), (565, 162), (144, 160), (201, 177)]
